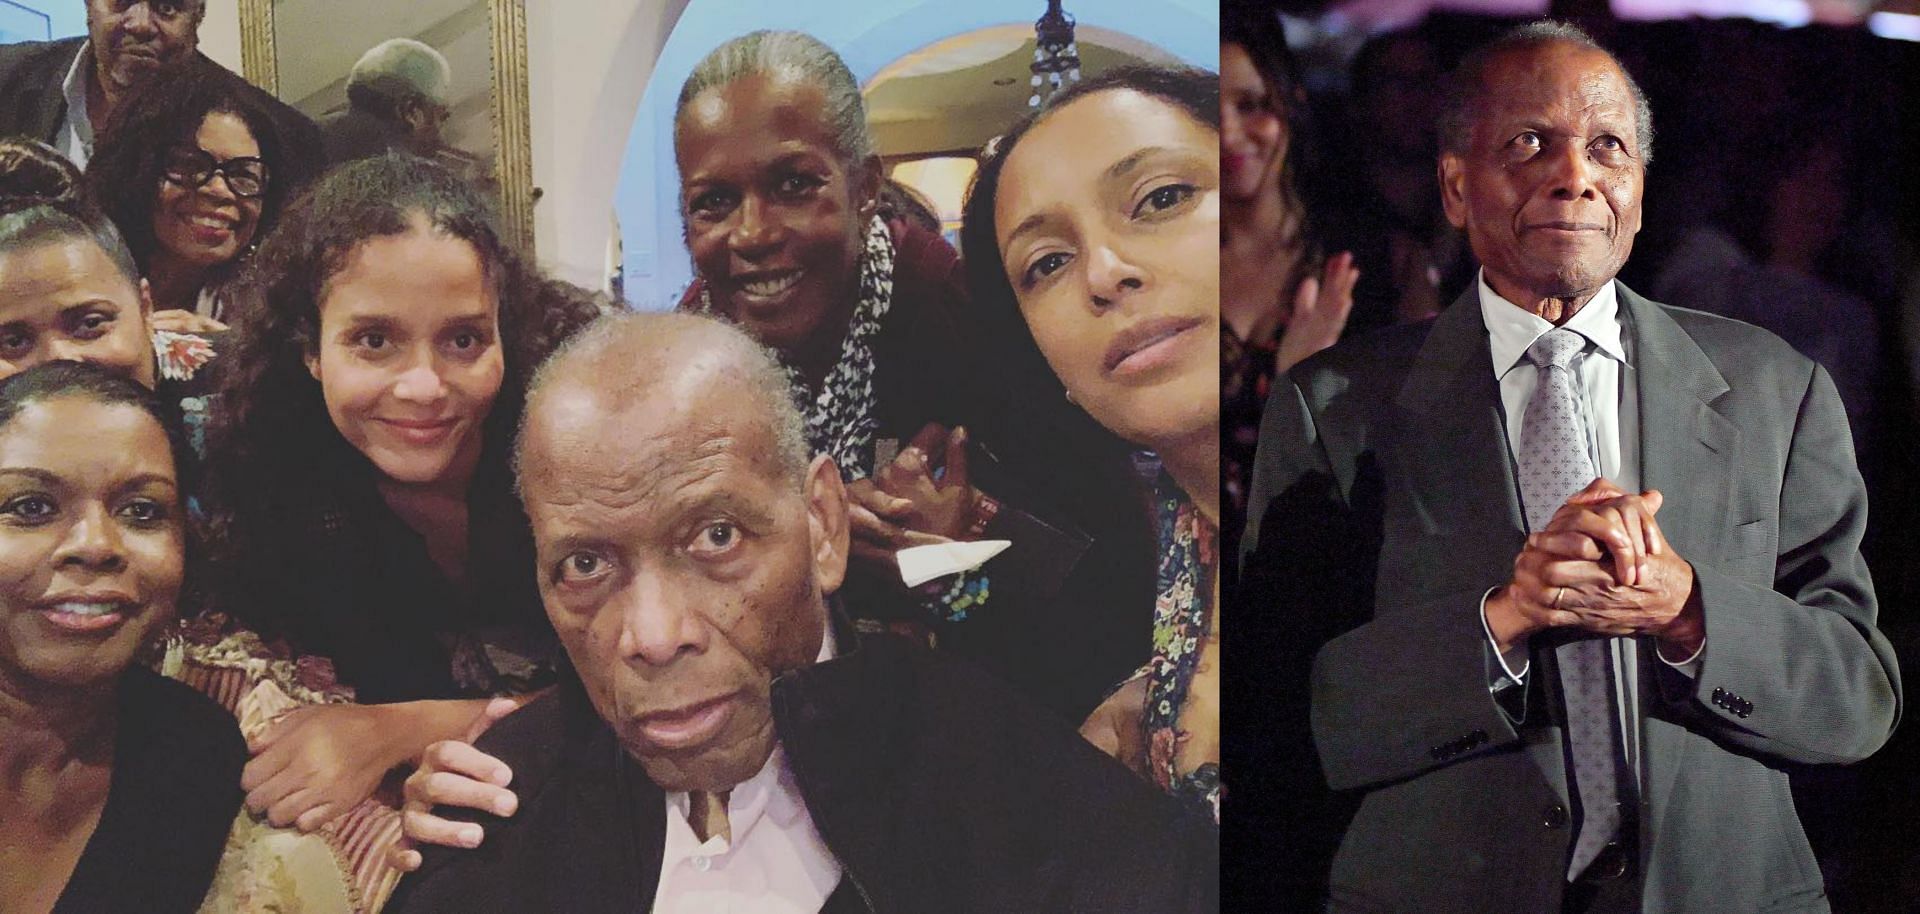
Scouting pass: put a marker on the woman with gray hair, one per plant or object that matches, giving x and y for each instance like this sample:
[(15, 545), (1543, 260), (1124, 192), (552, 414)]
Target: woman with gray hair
[(780, 189)]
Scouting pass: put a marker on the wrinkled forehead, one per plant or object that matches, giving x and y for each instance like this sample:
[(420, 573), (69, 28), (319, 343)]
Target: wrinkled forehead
[(755, 110), (644, 448), (1557, 81)]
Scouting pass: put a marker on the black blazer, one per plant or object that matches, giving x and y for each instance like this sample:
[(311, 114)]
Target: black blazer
[(938, 791), (32, 105)]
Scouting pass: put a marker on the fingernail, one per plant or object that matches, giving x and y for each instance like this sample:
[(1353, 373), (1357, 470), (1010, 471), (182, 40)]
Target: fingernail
[(504, 806), (470, 836)]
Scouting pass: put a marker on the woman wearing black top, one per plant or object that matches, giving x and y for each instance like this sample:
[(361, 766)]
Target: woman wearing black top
[(359, 488), (99, 756)]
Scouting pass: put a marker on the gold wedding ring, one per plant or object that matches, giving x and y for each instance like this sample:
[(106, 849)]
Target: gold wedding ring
[(1558, 592)]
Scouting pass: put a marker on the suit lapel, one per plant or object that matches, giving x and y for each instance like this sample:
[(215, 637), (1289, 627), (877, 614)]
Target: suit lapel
[(1690, 452), (1687, 448), (1455, 443)]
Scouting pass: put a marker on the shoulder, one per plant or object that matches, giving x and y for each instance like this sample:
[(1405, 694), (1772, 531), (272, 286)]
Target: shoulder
[(182, 742), (973, 765), (27, 59), (530, 740), (1733, 343)]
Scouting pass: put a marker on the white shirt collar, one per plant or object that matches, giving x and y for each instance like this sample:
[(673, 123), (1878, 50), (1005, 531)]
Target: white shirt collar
[(1511, 328), (74, 87)]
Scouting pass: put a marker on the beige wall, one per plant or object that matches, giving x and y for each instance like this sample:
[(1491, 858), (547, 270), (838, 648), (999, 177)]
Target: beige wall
[(588, 65), (220, 33)]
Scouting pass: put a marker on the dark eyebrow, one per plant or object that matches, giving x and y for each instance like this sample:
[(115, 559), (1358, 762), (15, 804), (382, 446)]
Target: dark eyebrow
[(1131, 161), (44, 477), (148, 479)]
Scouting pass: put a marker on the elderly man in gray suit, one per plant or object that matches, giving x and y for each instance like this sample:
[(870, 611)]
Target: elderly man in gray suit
[(1604, 552)]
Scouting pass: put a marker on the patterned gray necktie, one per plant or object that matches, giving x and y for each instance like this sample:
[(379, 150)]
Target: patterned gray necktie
[(1555, 463)]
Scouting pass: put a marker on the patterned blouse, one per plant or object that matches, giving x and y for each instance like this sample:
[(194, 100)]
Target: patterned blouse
[(1182, 619)]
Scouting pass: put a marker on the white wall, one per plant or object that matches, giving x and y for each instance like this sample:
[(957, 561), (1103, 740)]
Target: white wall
[(220, 33), (588, 65)]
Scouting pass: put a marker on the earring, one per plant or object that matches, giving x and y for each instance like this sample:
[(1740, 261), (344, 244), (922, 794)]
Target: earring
[(1070, 398)]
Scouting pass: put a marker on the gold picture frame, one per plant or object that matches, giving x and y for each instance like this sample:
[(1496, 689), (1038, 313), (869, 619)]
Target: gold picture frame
[(512, 122)]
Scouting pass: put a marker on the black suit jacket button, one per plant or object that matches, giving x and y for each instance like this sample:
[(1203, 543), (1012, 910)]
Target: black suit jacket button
[(1554, 817)]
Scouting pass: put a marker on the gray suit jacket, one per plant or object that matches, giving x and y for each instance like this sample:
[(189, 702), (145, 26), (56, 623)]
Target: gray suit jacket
[(1388, 456)]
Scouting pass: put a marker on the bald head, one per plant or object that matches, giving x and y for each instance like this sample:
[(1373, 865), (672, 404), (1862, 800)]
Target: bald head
[(627, 358)]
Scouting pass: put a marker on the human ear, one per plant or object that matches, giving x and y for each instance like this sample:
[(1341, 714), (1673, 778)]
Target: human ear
[(1453, 188), (827, 523)]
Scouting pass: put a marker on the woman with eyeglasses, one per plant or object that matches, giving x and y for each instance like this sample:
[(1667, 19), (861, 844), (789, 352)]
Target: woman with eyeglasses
[(193, 171)]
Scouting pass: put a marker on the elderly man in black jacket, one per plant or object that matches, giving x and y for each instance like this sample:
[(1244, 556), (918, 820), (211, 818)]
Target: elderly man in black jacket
[(725, 744), (64, 92)]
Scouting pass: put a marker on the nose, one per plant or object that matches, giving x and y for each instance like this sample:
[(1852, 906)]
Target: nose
[(225, 194), (1572, 175), (63, 350), (1112, 276), (139, 18), (658, 622), (420, 383), (93, 542), (756, 232)]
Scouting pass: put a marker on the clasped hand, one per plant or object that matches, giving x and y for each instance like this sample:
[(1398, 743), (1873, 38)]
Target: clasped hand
[(1602, 565)]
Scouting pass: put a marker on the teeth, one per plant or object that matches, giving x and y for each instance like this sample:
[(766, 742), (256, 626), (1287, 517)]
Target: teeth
[(87, 609), (210, 222), (770, 287)]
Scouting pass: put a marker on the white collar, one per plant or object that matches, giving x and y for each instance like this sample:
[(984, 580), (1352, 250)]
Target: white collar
[(74, 87), (1511, 329)]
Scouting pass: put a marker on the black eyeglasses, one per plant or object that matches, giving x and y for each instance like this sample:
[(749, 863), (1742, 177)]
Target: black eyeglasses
[(193, 168)]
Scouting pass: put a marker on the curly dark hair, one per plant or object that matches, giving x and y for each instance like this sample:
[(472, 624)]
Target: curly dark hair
[(30, 168), (123, 177), (274, 457)]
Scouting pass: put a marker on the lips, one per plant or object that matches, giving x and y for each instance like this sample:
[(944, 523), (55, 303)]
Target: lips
[(1568, 226), (421, 432), (88, 613), (1146, 345), (210, 229), (768, 285), (688, 726)]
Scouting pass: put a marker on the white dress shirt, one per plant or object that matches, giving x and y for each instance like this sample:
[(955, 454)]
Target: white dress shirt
[(75, 139), (1608, 393), (776, 861)]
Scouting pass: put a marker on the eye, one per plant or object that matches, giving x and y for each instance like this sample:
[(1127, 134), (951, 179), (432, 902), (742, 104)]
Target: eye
[(796, 185), (146, 512), (1164, 198), (580, 566), (29, 508), (716, 538), (370, 339), (467, 342), (1528, 140), (15, 342), (1044, 267), (93, 325), (711, 204)]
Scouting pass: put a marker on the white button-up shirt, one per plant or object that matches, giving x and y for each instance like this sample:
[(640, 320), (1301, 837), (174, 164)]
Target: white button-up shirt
[(775, 863), (75, 138)]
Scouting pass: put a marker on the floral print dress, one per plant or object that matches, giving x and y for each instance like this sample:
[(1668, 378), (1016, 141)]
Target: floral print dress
[(1183, 627)]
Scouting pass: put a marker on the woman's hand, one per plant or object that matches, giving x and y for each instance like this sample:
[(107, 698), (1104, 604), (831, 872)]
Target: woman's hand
[(180, 321), (319, 762), (1118, 726), (1320, 309), (942, 507)]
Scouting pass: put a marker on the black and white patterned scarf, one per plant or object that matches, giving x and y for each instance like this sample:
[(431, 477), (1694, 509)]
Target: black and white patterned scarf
[(840, 416)]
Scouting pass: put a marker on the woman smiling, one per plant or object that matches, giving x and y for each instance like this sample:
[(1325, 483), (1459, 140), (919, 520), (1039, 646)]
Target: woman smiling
[(97, 752)]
